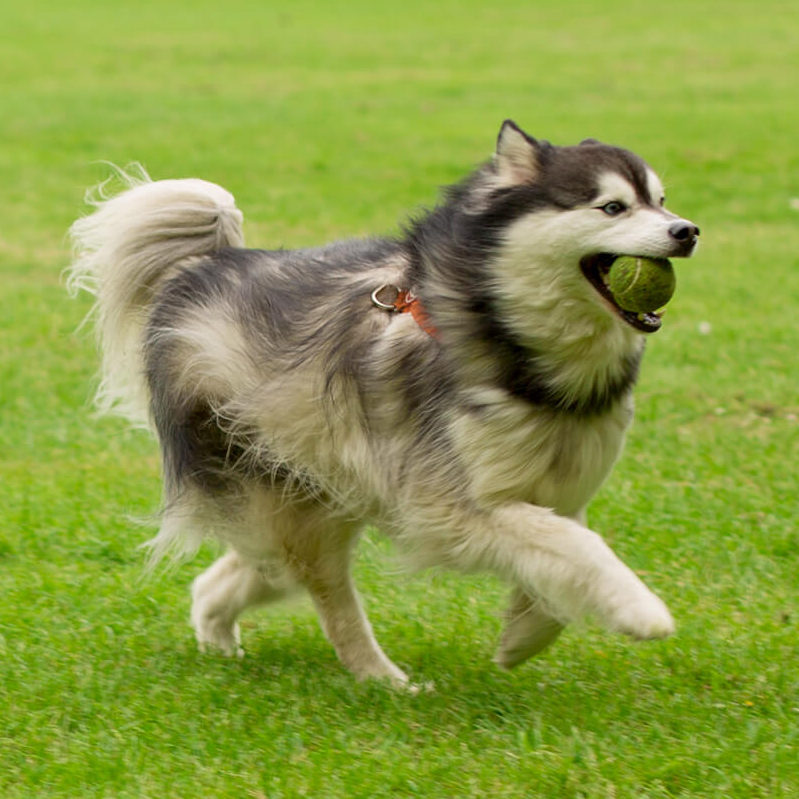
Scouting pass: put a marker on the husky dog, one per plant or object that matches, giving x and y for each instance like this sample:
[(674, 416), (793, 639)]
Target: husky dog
[(464, 387)]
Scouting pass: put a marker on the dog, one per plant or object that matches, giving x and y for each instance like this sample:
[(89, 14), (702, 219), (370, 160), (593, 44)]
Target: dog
[(465, 387)]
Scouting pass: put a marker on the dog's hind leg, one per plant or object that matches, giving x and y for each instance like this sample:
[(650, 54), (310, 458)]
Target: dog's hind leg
[(290, 544), (222, 592), (322, 564), (529, 630)]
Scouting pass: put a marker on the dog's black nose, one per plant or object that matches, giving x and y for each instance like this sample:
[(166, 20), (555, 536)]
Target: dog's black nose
[(683, 230)]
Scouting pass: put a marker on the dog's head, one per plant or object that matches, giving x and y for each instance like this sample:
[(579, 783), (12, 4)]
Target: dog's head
[(569, 212)]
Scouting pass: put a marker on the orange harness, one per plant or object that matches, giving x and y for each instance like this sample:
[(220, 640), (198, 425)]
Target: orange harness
[(406, 302)]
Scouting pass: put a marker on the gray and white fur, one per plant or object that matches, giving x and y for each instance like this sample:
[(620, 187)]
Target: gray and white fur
[(292, 410)]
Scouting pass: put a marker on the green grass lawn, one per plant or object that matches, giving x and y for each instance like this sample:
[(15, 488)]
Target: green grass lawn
[(336, 119)]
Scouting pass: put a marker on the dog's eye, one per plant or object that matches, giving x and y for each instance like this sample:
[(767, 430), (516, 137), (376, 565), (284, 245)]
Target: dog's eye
[(614, 208)]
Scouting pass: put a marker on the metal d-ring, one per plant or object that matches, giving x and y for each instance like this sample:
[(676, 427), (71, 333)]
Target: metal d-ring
[(382, 305)]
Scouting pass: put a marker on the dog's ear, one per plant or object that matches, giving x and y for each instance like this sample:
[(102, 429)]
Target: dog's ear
[(589, 141), (517, 156)]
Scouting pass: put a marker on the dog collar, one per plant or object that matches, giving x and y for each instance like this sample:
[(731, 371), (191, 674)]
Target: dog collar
[(405, 301)]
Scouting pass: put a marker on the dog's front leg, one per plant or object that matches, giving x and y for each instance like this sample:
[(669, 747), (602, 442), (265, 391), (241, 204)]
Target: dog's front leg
[(574, 572), (529, 628), (568, 568)]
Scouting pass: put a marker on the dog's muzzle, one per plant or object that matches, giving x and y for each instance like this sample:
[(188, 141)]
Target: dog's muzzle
[(685, 233)]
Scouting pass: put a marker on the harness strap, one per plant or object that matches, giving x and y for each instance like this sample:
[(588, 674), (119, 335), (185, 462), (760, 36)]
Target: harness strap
[(406, 302)]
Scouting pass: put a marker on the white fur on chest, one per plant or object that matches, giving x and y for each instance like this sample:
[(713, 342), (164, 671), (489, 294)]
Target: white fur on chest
[(556, 460)]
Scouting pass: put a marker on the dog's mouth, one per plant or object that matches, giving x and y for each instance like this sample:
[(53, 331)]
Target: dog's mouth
[(596, 269)]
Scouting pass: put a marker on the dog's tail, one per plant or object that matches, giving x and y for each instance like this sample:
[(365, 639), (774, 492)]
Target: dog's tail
[(125, 249)]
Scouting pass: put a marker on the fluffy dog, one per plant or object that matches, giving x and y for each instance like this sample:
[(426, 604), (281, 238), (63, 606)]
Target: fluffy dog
[(464, 387)]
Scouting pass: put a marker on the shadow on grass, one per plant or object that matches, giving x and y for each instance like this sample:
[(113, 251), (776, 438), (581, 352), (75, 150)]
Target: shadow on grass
[(296, 673)]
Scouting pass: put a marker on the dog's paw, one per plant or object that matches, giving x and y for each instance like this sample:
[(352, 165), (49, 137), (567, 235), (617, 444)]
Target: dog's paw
[(515, 649), (404, 686), (526, 637), (530, 627), (416, 688), (645, 618), (214, 635)]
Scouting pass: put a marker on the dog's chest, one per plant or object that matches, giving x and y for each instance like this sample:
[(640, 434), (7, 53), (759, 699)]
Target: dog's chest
[(512, 452)]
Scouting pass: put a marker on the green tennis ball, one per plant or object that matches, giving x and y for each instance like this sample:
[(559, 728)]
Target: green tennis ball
[(641, 285)]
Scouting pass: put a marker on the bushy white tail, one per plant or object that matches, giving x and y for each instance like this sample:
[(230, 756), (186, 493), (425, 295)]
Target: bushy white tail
[(125, 249)]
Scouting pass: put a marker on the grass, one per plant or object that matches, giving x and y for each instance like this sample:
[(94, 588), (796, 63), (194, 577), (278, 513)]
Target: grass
[(328, 120)]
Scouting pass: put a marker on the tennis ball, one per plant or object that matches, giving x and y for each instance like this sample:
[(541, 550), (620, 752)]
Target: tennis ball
[(641, 285)]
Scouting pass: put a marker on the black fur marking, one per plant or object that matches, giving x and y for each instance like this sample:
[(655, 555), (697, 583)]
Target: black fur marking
[(520, 371), (195, 446), (428, 388), (196, 449), (591, 158)]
